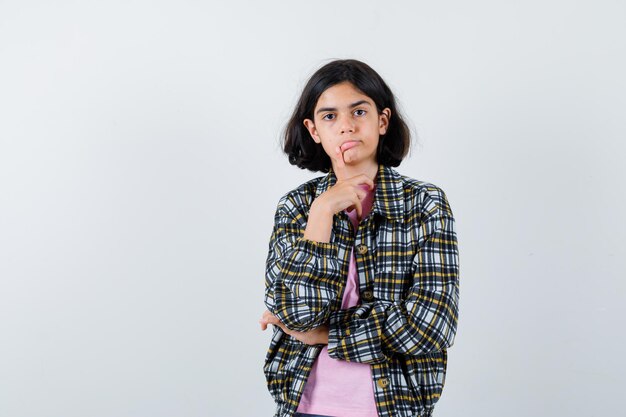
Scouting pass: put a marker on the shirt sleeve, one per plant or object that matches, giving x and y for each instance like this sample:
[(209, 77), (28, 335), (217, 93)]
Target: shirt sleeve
[(424, 321), (302, 277)]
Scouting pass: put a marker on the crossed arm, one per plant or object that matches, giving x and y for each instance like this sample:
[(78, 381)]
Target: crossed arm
[(303, 279), (316, 336)]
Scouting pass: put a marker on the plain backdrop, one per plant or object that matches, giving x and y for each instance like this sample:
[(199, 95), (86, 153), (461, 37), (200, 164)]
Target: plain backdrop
[(140, 167)]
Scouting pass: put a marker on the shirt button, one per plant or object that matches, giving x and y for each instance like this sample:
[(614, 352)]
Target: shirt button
[(368, 295), (383, 382), (362, 249)]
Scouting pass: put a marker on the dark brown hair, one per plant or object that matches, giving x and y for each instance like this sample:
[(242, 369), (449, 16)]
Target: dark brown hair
[(305, 153)]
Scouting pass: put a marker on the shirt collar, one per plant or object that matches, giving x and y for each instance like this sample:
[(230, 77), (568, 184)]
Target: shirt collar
[(388, 197)]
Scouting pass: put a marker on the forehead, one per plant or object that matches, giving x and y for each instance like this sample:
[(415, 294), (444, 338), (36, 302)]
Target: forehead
[(341, 95)]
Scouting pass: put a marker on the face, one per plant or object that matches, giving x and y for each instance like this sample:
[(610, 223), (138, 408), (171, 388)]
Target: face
[(345, 117)]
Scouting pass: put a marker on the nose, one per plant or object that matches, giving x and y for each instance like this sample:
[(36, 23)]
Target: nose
[(347, 125)]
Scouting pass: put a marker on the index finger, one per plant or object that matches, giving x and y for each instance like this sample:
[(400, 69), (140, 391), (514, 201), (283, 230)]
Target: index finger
[(340, 163), (363, 179)]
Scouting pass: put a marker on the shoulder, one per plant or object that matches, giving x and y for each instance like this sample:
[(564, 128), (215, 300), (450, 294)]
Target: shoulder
[(297, 201), (425, 197)]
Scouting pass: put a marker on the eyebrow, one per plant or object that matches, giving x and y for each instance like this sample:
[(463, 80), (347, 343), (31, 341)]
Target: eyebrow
[(356, 103)]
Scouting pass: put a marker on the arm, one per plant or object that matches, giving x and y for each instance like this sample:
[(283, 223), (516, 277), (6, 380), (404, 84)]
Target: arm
[(302, 276), (425, 321)]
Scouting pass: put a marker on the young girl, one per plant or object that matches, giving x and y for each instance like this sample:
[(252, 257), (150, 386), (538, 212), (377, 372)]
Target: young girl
[(362, 275)]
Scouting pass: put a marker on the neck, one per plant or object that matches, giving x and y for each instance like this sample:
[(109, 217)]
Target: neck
[(369, 168)]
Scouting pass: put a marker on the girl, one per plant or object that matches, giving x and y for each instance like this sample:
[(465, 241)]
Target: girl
[(361, 282)]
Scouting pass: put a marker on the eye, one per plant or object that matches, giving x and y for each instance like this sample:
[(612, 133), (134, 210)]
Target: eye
[(328, 116), (360, 112)]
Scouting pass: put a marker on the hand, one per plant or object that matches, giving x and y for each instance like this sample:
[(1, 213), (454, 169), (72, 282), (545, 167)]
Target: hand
[(346, 193), (317, 336)]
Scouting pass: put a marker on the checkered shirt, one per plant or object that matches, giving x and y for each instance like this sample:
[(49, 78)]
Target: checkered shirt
[(408, 270)]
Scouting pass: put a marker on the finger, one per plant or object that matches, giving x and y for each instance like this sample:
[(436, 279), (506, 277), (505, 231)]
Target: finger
[(359, 209), (364, 179), (263, 322), (349, 157), (267, 315), (284, 328), (340, 164)]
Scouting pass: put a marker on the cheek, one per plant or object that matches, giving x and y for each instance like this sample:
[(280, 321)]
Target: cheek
[(329, 148)]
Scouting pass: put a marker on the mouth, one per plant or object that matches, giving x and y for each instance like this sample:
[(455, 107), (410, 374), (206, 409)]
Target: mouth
[(348, 144)]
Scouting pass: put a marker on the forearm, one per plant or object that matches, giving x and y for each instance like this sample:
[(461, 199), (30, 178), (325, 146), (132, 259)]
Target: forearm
[(373, 332), (303, 284), (319, 224), (423, 321)]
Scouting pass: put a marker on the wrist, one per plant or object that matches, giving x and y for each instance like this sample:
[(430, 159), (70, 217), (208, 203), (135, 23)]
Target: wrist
[(320, 210), (319, 223)]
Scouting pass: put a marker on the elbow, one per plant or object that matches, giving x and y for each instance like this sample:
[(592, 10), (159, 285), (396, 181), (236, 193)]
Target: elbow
[(447, 337), (431, 335), (444, 334), (431, 340), (436, 329)]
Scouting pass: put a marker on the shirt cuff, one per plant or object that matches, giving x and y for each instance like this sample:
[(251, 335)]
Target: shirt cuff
[(318, 248)]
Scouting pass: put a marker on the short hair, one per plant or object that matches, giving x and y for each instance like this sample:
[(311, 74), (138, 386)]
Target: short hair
[(305, 153)]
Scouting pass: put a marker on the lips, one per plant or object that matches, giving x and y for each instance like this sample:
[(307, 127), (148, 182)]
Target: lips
[(348, 144)]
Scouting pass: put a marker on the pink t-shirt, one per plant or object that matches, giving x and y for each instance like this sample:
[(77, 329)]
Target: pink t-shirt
[(338, 388)]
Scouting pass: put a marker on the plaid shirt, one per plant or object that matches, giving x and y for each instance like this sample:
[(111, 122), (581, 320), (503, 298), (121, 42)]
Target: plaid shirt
[(408, 269)]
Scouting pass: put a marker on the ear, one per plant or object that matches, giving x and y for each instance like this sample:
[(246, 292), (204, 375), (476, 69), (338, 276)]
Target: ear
[(308, 123), (383, 120)]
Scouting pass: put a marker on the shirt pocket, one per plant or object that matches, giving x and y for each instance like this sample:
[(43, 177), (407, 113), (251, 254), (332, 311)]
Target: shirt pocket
[(393, 285)]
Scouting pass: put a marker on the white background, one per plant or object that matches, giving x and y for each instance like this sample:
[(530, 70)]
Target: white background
[(140, 169)]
